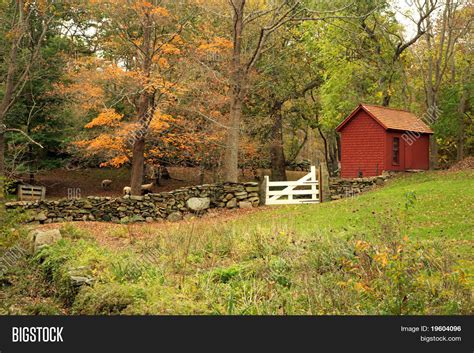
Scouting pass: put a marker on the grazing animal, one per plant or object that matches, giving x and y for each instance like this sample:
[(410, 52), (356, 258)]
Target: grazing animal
[(106, 184), (127, 190), (147, 188)]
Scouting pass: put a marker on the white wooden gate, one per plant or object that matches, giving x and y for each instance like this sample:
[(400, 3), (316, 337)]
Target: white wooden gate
[(304, 190)]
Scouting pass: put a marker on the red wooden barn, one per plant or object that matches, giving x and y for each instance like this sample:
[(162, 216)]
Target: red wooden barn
[(374, 139)]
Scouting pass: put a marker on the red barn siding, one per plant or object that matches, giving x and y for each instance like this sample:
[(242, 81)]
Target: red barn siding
[(388, 164), (362, 147), (414, 151), (418, 153)]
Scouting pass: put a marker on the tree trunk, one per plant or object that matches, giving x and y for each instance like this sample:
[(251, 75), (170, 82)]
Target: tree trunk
[(2, 164), (277, 153), (231, 156), (461, 128), (386, 99), (137, 166), (145, 112), (326, 152), (4, 105)]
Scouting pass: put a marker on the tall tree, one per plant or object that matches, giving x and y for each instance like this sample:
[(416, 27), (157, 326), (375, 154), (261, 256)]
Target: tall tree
[(141, 40), (29, 23), (443, 35)]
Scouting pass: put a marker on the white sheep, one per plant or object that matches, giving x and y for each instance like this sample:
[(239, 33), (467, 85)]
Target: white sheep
[(127, 190), (147, 188), (106, 183)]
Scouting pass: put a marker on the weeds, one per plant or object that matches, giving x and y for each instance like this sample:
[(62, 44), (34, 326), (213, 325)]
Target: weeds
[(374, 264)]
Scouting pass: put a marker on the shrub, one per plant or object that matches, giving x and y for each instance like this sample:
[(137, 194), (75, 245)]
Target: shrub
[(105, 299)]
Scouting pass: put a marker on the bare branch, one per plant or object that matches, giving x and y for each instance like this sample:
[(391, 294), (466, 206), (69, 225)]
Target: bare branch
[(26, 135)]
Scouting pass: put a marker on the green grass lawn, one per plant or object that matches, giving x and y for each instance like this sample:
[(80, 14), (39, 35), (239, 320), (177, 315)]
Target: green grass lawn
[(405, 248), (443, 210)]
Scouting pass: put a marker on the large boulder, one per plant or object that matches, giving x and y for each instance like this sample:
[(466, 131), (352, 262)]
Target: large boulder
[(197, 204), (40, 238), (245, 204)]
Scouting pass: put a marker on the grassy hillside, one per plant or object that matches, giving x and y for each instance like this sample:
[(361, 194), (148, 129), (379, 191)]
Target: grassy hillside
[(406, 248)]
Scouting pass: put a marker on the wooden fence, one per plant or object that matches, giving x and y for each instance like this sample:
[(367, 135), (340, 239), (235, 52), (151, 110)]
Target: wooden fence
[(31, 193), (304, 190)]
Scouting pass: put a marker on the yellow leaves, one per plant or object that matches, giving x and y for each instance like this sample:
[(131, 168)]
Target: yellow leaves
[(103, 141), (218, 45), (177, 40), (107, 117), (160, 122), (116, 162), (168, 48), (145, 4), (162, 62), (160, 11), (361, 245), (361, 287), (146, 7), (381, 258)]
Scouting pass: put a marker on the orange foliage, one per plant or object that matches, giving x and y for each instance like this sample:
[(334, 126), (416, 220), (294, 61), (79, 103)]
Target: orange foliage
[(107, 117), (217, 45)]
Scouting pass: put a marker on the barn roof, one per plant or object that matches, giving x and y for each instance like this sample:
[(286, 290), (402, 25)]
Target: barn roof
[(390, 119)]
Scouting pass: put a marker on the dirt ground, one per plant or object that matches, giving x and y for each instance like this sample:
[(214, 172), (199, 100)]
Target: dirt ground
[(61, 183), (466, 163)]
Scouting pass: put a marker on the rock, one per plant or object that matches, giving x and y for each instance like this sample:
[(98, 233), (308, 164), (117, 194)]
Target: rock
[(149, 219), (197, 204), (231, 204), (188, 216), (241, 195), (137, 218), (79, 281), (251, 188), (174, 216), (136, 198), (380, 181), (245, 204), (229, 196), (124, 219), (40, 239), (41, 217)]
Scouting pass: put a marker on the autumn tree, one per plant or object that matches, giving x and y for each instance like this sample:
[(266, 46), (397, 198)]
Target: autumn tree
[(137, 56)]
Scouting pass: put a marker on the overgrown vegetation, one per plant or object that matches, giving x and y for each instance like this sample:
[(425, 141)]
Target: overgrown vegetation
[(397, 257)]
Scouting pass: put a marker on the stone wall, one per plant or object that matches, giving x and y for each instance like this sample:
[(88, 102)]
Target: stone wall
[(173, 205), (341, 188)]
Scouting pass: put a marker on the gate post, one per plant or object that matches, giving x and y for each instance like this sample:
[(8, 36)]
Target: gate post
[(320, 183), (262, 191)]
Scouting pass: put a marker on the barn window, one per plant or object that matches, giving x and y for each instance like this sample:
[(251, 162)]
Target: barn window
[(396, 151)]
